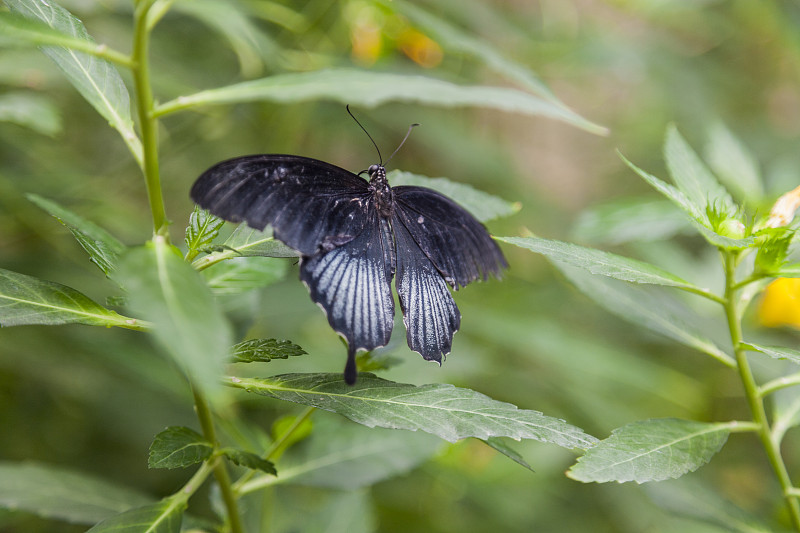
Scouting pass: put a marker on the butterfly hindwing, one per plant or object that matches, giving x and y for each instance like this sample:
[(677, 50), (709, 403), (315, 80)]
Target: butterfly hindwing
[(306, 201)]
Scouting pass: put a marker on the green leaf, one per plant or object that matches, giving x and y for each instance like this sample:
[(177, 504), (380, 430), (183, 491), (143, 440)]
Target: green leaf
[(601, 263), (102, 247), (249, 460), (187, 322), (96, 79), (31, 111), (370, 89), (483, 206), (162, 517), (27, 300), (265, 350), (60, 494), (203, 228), (733, 164), (787, 271), (242, 274), (776, 352), (501, 446), (647, 306), (248, 242), (651, 450), (692, 177), (449, 412), (629, 220), (178, 447)]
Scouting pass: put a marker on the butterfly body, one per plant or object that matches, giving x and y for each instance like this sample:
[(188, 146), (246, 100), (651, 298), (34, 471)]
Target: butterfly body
[(354, 236)]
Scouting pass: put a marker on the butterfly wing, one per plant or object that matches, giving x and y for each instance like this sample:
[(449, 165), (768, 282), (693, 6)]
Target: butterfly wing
[(454, 241), (309, 203)]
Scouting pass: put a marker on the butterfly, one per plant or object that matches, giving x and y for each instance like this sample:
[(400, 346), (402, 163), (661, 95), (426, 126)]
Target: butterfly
[(353, 237)]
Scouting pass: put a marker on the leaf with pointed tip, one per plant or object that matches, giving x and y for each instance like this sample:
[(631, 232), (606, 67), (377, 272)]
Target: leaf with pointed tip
[(203, 228), (449, 412), (776, 352), (178, 447), (165, 516), (265, 350), (733, 164), (249, 460), (31, 111), (501, 446), (651, 450)]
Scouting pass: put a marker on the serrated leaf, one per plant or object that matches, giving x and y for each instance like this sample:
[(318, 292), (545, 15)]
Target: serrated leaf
[(249, 460), (733, 164), (629, 220), (721, 241), (370, 89), (776, 352), (449, 412), (483, 206), (503, 447), (241, 274), (647, 306), (601, 263), (162, 517), (651, 450), (31, 111), (178, 447), (60, 494), (692, 177), (96, 79), (26, 300), (265, 350), (102, 247), (203, 228), (187, 322)]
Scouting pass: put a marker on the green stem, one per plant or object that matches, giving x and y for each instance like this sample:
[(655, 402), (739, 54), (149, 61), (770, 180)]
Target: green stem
[(220, 469), (752, 393), (147, 121), (779, 383)]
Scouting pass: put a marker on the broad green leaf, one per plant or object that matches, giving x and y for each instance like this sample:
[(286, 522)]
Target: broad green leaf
[(31, 111), (249, 460), (370, 89), (651, 450), (776, 352), (27, 300), (501, 446), (265, 350), (692, 177), (96, 79), (187, 322), (241, 274), (483, 206), (102, 247), (59, 494), (162, 517), (647, 306), (601, 263), (449, 412), (248, 242), (721, 241), (733, 164), (203, 228), (178, 447), (629, 220)]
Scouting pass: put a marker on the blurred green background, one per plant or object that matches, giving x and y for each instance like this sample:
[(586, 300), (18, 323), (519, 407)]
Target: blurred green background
[(92, 399)]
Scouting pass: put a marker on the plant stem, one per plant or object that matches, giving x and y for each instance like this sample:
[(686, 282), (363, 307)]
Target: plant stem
[(754, 399), (147, 121), (220, 469)]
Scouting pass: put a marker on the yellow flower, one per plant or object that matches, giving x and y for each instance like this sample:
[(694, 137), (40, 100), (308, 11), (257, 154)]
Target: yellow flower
[(780, 305)]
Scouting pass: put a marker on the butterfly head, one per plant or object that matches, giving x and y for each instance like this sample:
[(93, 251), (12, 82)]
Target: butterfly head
[(377, 174)]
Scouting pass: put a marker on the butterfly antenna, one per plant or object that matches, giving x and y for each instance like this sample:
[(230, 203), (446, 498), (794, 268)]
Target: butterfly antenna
[(365, 131), (411, 127)]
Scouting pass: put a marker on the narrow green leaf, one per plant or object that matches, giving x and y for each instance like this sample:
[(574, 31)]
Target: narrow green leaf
[(102, 247), (249, 460), (651, 450), (162, 517), (370, 89), (733, 164), (187, 322), (449, 412), (647, 306), (629, 220), (776, 352), (178, 447), (501, 446), (483, 206), (60, 494), (203, 228), (96, 79), (31, 111), (601, 263), (692, 177), (265, 350), (27, 300), (242, 274)]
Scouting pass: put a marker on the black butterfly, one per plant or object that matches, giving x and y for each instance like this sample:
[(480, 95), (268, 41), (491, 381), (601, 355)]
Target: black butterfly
[(354, 235)]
